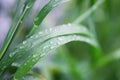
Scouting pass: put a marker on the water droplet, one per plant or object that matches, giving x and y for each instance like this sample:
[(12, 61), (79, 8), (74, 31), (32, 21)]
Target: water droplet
[(24, 42), (16, 64), (11, 54), (33, 60), (31, 37), (51, 47), (51, 42), (60, 39), (35, 56), (42, 55)]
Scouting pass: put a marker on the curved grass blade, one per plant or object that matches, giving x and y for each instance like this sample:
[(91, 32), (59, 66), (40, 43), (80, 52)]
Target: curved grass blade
[(38, 39), (49, 45), (15, 26), (44, 12)]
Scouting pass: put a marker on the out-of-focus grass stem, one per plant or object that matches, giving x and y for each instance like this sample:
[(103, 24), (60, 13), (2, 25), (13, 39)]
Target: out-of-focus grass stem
[(88, 12)]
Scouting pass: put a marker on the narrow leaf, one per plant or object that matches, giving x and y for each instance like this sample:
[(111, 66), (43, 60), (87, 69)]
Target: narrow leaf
[(43, 13), (88, 12), (15, 26), (38, 39), (42, 50), (109, 58)]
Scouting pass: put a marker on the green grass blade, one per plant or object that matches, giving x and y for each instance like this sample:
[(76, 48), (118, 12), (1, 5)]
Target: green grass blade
[(88, 12), (92, 30), (39, 38), (13, 29), (4, 48), (109, 58), (43, 13), (49, 45)]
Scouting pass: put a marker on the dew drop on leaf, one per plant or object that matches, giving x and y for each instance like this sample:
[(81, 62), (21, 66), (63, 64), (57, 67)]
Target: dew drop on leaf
[(51, 42), (52, 47), (11, 54), (24, 42), (60, 39), (35, 56), (31, 37)]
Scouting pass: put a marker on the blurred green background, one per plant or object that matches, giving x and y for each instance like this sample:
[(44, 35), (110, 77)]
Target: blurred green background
[(73, 61)]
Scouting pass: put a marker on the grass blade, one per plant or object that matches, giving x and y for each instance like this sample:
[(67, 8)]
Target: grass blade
[(39, 38), (13, 29), (109, 58), (88, 12), (43, 13), (49, 45)]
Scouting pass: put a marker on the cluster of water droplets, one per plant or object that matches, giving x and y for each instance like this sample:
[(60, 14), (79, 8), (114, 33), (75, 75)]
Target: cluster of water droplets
[(12, 54), (22, 46), (83, 39), (45, 47), (15, 64), (51, 45), (35, 57), (57, 42)]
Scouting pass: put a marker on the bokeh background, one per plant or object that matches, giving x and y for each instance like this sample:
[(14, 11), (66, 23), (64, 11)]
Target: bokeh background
[(72, 61)]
